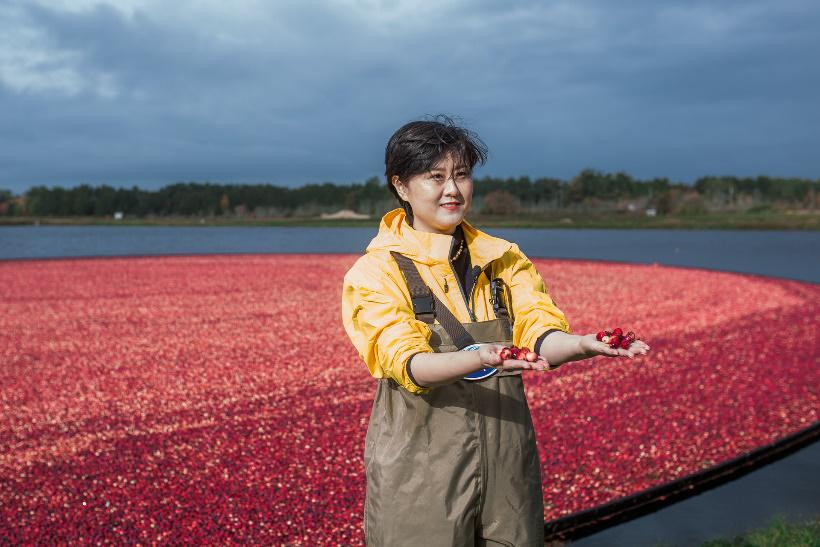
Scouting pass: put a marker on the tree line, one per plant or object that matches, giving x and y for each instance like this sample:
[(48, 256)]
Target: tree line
[(589, 191)]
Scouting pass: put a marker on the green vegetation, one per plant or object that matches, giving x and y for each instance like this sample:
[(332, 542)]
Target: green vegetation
[(778, 533), (589, 200)]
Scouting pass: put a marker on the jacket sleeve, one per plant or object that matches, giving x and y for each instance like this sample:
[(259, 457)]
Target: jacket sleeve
[(380, 322), (532, 306)]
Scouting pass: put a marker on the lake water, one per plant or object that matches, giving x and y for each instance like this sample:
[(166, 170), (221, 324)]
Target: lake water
[(790, 487), (794, 255)]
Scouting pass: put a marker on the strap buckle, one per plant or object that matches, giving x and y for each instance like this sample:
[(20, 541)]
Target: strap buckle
[(497, 298), (423, 305)]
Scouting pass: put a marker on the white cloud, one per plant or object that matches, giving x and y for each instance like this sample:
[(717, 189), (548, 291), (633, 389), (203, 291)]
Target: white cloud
[(29, 63), (79, 6)]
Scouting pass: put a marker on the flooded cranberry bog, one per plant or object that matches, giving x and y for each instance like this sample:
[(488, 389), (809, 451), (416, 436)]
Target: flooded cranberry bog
[(216, 399)]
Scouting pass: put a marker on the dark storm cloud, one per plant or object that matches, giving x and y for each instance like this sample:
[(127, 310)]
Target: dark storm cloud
[(148, 93)]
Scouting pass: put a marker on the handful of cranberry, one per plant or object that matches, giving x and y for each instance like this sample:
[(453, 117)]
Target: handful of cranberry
[(616, 338), (514, 352)]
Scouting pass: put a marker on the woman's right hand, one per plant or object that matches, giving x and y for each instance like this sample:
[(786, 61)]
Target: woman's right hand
[(490, 355)]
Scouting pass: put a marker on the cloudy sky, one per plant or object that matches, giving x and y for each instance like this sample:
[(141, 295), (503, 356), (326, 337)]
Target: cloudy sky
[(149, 92)]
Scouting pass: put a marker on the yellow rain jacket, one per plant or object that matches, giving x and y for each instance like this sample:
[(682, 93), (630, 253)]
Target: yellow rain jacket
[(455, 465), (376, 308)]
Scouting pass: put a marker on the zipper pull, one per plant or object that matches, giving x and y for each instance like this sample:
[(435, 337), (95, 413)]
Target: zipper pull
[(446, 288), (476, 272)]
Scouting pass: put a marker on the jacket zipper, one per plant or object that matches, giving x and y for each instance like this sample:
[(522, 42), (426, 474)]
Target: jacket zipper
[(463, 294), (475, 284)]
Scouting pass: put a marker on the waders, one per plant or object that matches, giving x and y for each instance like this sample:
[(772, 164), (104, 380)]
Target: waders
[(457, 466)]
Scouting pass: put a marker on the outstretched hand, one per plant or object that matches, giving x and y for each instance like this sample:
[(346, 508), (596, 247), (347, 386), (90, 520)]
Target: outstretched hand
[(592, 347), (491, 357)]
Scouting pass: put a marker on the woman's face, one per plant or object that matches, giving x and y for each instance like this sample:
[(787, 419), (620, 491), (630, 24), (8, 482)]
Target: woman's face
[(439, 198)]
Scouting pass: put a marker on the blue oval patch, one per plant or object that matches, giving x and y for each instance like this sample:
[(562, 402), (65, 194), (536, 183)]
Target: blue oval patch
[(480, 374)]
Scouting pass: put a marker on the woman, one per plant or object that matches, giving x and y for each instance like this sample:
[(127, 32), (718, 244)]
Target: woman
[(450, 453)]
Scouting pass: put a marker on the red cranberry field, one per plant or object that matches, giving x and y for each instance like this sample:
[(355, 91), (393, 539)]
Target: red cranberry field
[(216, 399)]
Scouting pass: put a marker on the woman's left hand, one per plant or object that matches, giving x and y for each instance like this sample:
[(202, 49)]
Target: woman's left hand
[(592, 347), (490, 356)]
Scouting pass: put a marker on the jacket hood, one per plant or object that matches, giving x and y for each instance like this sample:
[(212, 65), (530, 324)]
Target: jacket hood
[(395, 234)]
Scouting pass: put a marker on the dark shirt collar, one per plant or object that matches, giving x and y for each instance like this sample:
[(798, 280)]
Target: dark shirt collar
[(458, 237)]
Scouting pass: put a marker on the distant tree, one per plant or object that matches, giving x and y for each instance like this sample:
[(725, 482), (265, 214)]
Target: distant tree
[(6, 202), (500, 202), (585, 184), (104, 200), (666, 201), (691, 203), (547, 191)]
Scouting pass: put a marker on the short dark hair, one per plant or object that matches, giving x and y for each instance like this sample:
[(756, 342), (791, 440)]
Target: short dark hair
[(418, 146)]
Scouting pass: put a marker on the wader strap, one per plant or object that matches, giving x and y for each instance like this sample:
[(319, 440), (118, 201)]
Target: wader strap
[(499, 294), (427, 307), (420, 294), (498, 297)]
